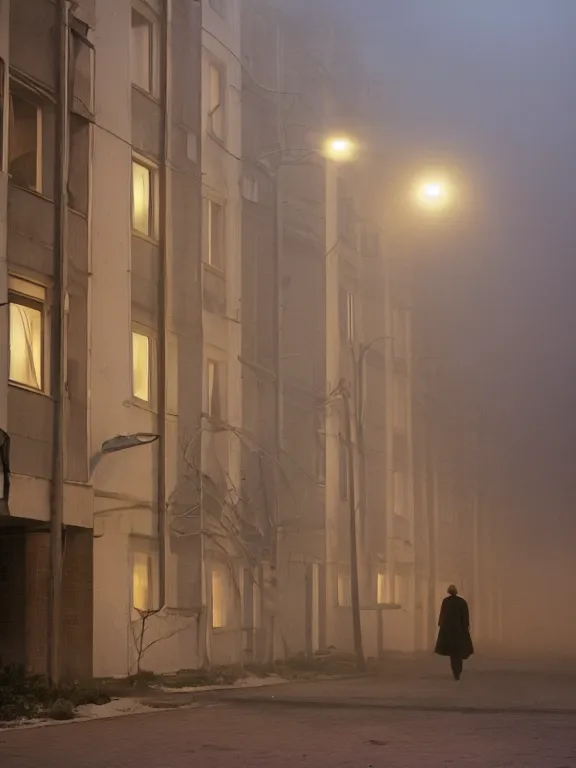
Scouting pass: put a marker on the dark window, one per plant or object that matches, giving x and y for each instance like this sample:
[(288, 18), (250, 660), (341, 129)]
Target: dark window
[(25, 144)]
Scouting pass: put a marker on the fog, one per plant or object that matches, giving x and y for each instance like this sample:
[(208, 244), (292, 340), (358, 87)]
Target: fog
[(491, 87)]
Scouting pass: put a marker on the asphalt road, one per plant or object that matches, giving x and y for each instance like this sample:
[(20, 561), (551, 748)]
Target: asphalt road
[(330, 725)]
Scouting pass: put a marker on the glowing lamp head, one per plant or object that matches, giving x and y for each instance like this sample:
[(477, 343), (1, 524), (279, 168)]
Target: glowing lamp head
[(433, 195), (340, 149)]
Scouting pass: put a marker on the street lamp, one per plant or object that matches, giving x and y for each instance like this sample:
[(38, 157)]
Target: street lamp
[(433, 194), (121, 443), (341, 149)]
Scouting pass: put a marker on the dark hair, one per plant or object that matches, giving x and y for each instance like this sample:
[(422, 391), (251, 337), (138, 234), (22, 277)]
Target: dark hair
[(452, 590)]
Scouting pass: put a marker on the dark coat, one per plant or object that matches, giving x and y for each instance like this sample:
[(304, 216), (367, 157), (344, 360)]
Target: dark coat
[(454, 635)]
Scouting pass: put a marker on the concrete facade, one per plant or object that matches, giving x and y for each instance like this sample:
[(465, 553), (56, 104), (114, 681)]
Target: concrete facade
[(222, 288), (342, 301), (133, 117)]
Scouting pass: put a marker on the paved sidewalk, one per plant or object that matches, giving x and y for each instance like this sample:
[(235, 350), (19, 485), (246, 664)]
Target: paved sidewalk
[(427, 689), (228, 736), (412, 717)]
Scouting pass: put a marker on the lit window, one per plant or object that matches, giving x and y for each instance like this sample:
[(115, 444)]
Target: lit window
[(142, 199), (213, 396), (141, 378), (220, 594), (383, 588), (216, 101), (142, 51), (26, 333), (350, 317), (142, 581), (344, 587), (25, 143), (215, 234)]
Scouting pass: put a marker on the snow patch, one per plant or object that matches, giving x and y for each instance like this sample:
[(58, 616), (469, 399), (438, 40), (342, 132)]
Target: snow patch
[(247, 682), (114, 708)]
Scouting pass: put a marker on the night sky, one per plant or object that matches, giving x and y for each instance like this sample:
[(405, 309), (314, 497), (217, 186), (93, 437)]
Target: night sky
[(492, 86)]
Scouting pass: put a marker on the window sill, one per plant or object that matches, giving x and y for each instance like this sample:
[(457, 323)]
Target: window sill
[(31, 390), (33, 192), (214, 270), (147, 238), (143, 92), (143, 405)]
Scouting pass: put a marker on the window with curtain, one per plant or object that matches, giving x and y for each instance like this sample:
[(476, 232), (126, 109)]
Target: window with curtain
[(26, 334), (142, 581), (220, 597), (141, 367), (142, 199)]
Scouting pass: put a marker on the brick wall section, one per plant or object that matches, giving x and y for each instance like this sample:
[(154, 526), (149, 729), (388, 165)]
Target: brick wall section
[(37, 581), (77, 605), (12, 598)]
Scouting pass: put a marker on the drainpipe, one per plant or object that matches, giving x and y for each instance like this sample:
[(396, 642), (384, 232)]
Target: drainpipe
[(59, 329), (164, 225)]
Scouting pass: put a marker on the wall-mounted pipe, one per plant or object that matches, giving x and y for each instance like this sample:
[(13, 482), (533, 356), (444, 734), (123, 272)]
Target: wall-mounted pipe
[(164, 224), (62, 157)]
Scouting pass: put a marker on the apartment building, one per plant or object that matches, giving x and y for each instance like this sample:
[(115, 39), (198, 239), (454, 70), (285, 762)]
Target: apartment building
[(321, 308), (192, 292), (227, 571), (102, 358)]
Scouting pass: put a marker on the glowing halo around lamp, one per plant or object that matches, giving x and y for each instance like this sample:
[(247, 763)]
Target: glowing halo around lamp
[(433, 194), (341, 149)]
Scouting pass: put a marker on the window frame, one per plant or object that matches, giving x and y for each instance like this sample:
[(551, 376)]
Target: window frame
[(153, 221), (147, 556), (382, 587), (138, 329), (210, 203), (33, 296), (220, 67), (144, 547), (145, 13), (226, 610), (29, 98), (344, 585), (350, 318), (214, 410)]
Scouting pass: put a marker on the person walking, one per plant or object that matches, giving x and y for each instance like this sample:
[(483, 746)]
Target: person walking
[(454, 638)]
